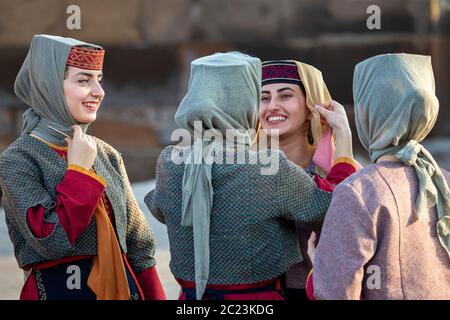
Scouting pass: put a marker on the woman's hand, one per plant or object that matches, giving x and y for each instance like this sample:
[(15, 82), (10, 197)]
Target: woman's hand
[(82, 149), (334, 114), (312, 247)]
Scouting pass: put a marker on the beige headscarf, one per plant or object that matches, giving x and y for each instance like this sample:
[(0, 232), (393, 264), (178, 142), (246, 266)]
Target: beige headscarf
[(316, 93)]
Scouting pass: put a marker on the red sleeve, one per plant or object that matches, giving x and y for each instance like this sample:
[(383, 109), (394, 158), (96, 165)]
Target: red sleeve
[(29, 289), (310, 286), (77, 196), (150, 284), (342, 169), (323, 184)]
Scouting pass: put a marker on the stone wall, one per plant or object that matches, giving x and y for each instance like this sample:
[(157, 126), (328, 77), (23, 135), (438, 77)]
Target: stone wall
[(150, 44)]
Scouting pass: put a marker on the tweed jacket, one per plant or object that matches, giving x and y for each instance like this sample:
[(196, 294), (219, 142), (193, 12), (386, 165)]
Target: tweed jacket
[(252, 233), (29, 173), (373, 247)]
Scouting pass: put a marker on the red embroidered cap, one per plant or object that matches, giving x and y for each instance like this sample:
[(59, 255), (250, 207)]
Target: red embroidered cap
[(86, 58)]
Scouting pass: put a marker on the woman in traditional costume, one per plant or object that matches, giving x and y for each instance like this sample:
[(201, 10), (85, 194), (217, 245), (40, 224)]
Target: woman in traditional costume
[(228, 222), (398, 242), (74, 222), (290, 90)]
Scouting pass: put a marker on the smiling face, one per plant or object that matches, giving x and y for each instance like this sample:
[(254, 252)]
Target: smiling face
[(283, 107), (83, 93)]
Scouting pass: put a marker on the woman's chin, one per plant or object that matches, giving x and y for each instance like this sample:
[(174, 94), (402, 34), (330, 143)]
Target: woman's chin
[(276, 131), (86, 119)]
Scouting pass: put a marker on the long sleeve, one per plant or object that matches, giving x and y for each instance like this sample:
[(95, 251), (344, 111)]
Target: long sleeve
[(309, 286), (23, 188), (299, 197), (77, 196), (347, 243), (342, 168), (152, 197), (150, 201), (141, 242), (150, 284)]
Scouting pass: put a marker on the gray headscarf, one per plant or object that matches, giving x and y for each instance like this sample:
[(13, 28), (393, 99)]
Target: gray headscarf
[(39, 84), (223, 93), (395, 108)]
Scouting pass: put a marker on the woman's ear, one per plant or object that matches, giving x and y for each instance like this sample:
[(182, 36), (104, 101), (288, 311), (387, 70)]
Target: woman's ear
[(66, 72)]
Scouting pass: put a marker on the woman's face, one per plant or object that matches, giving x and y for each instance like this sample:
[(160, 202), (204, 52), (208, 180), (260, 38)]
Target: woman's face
[(83, 93), (283, 107)]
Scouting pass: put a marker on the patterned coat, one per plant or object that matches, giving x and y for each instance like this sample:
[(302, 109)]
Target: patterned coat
[(252, 237), (373, 247), (29, 173)]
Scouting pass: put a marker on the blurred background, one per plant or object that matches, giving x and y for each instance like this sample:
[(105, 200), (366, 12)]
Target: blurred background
[(150, 44)]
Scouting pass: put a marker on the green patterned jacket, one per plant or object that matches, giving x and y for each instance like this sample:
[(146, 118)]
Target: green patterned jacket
[(29, 173), (252, 230)]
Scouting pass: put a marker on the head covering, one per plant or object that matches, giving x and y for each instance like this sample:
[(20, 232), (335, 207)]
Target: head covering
[(39, 84), (223, 93), (316, 91), (395, 109), (86, 58), (280, 71)]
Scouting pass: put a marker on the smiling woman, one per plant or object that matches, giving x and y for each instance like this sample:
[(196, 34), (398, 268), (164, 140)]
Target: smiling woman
[(83, 93), (69, 207), (283, 108), (289, 93)]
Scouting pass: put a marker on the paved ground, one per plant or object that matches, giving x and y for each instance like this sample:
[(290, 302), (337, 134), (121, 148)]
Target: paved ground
[(11, 279)]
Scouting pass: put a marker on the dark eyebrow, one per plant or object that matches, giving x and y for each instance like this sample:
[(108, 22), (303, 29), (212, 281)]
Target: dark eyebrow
[(268, 92), (87, 74), (84, 74), (286, 88)]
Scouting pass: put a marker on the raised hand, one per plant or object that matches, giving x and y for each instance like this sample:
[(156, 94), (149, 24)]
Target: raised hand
[(82, 149), (334, 114)]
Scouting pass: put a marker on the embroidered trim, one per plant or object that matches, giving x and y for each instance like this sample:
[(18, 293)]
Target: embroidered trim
[(134, 296), (84, 58), (54, 146), (280, 71), (87, 172), (40, 285), (346, 160)]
